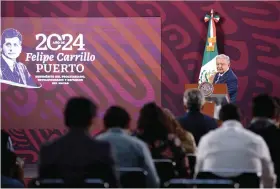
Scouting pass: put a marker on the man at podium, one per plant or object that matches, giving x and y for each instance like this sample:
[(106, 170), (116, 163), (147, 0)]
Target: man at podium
[(226, 75)]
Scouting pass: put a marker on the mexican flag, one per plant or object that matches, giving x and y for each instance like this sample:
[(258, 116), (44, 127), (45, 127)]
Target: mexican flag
[(208, 69)]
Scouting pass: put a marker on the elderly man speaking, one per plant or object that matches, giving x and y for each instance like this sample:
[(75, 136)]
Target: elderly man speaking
[(226, 75)]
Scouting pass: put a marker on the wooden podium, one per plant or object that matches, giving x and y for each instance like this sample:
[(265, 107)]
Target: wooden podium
[(213, 102)]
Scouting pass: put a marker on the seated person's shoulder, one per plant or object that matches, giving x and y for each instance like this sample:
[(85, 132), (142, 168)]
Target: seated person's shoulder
[(51, 143), (100, 133), (7, 182), (101, 136), (100, 144), (135, 142), (181, 118), (54, 143), (208, 118), (138, 142), (211, 122), (252, 136), (263, 125)]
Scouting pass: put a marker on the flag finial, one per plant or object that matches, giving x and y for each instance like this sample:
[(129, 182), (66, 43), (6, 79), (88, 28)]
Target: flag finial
[(212, 13)]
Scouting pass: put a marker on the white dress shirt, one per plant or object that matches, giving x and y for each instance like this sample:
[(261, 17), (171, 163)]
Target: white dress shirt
[(231, 150)]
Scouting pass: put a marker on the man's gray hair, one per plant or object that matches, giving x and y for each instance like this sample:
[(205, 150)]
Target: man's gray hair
[(223, 56), (193, 99)]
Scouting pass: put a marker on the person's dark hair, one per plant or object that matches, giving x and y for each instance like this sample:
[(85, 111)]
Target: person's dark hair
[(264, 106), (79, 112), (116, 116), (229, 112), (10, 33), (152, 123), (193, 99)]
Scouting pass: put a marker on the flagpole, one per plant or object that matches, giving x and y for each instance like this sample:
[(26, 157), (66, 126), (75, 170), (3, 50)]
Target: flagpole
[(208, 67)]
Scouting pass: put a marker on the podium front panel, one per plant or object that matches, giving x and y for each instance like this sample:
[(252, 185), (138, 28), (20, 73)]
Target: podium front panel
[(209, 109)]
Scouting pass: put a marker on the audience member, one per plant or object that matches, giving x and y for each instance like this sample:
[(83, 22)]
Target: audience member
[(227, 151), (128, 150), (11, 170), (194, 121), (6, 142), (231, 150), (264, 123), (76, 155), (264, 112), (153, 129), (186, 137)]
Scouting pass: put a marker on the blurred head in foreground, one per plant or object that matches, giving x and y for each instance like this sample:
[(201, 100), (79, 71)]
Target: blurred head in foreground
[(230, 112), (80, 113)]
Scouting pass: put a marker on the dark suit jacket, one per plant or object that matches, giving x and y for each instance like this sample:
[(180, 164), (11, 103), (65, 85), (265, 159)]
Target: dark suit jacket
[(197, 123), (76, 156), (271, 135), (19, 75), (232, 84)]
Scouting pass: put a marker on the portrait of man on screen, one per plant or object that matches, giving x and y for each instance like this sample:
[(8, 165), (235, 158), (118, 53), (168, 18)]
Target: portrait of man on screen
[(13, 72)]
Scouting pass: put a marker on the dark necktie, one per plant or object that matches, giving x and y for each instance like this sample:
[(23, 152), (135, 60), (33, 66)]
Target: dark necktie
[(220, 75)]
